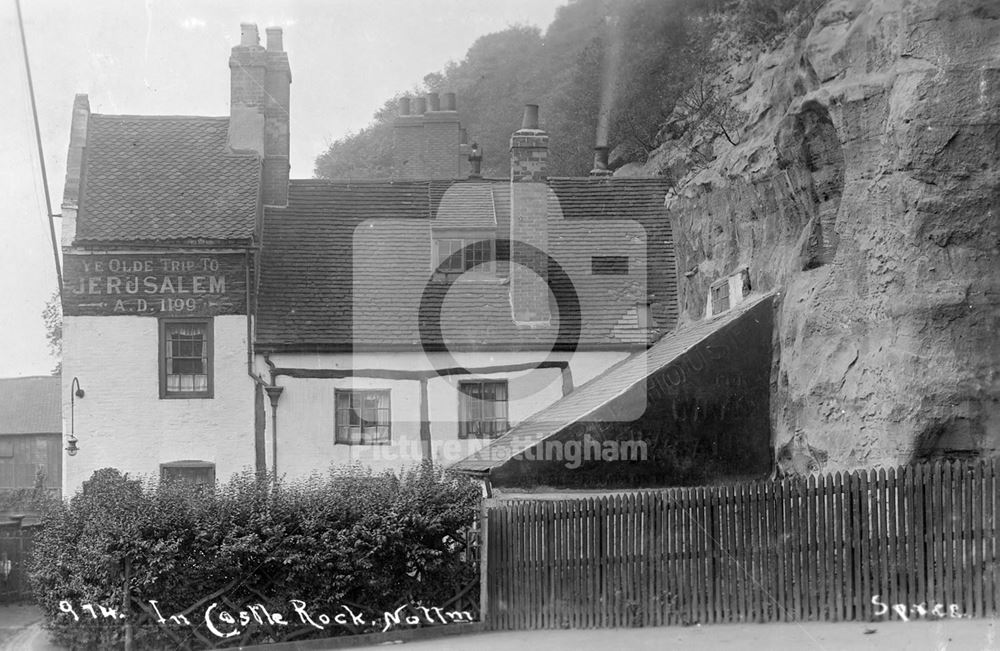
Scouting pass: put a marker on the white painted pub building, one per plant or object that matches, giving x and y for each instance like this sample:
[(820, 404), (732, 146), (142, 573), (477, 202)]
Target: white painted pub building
[(222, 317)]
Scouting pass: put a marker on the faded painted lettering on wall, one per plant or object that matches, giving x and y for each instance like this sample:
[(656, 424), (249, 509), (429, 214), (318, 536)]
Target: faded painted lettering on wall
[(188, 284)]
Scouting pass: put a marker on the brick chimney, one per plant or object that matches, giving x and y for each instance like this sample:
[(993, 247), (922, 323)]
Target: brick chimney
[(427, 139), (529, 153), (258, 107), (278, 82)]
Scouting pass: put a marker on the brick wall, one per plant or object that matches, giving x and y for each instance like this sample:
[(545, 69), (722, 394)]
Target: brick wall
[(428, 145), (408, 147)]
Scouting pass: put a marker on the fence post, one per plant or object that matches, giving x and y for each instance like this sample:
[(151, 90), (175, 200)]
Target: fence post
[(484, 545)]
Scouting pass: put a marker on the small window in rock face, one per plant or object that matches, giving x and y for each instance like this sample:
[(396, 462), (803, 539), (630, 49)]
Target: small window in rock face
[(609, 265), (720, 298)]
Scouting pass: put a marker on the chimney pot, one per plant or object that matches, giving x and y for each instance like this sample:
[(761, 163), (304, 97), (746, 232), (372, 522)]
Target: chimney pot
[(600, 161), (248, 35), (530, 119), (433, 102), (448, 103), (404, 106), (419, 105), (475, 160), (274, 40)]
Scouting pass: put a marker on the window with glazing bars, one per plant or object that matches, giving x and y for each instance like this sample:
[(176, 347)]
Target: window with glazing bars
[(460, 255), (362, 417), (186, 359), (482, 409), (720, 297)]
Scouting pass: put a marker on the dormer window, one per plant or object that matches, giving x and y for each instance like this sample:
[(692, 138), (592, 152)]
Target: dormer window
[(468, 254)]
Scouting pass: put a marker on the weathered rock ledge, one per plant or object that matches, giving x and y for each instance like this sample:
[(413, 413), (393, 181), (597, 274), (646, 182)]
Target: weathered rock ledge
[(866, 187)]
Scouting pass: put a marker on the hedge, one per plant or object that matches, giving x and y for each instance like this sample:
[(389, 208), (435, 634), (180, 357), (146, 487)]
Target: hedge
[(348, 542)]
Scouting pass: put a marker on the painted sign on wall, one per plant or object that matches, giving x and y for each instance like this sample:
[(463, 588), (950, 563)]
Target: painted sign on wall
[(154, 284)]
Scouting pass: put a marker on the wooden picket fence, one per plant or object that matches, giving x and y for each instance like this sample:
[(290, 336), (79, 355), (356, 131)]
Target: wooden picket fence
[(842, 546)]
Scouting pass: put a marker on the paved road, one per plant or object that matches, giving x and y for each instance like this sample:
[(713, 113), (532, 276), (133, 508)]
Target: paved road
[(22, 632), (944, 635)]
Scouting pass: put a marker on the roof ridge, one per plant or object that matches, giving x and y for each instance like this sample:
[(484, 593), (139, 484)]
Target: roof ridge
[(131, 116), (32, 377)]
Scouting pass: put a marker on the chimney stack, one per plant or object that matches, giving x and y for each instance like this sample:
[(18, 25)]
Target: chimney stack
[(529, 152), (427, 139), (258, 108), (600, 162), (276, 123)]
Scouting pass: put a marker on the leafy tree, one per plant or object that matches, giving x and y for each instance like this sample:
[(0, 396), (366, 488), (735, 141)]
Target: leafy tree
[(52, 316), (635, 62)]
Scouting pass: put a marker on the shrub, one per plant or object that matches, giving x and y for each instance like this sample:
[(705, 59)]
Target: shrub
[(350, 538)]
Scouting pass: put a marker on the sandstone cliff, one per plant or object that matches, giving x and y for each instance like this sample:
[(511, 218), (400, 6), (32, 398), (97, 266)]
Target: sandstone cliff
[(866, 188)]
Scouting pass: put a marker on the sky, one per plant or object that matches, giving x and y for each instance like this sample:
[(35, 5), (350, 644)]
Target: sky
[(171, 57)]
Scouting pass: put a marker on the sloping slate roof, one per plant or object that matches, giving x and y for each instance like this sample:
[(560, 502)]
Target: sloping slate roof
[(600, 391), (465, 205), (346, 264), (30, 405), (148, 178)]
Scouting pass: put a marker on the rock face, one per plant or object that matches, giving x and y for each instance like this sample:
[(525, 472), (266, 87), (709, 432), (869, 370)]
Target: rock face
[(866, 188)]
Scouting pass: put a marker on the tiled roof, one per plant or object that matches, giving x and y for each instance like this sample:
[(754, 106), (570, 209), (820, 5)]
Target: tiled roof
[(30, 405), (346, 264), (465, 205), (151, 178), (603, 389)]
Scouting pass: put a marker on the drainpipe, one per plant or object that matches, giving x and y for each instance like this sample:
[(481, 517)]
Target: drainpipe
[(274, 392), (425, 422), (259, 443)]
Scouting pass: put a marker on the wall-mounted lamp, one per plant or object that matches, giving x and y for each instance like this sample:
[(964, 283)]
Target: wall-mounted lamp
[(74, 393)]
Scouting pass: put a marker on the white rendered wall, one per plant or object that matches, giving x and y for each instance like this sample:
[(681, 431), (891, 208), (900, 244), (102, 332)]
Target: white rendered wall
[(123, 423), (306, 419)]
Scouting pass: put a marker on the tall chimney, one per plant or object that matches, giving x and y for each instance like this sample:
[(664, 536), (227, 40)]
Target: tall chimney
[(258, 107), (277, 83), (408, 139), (248, 72), (529, 153)]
